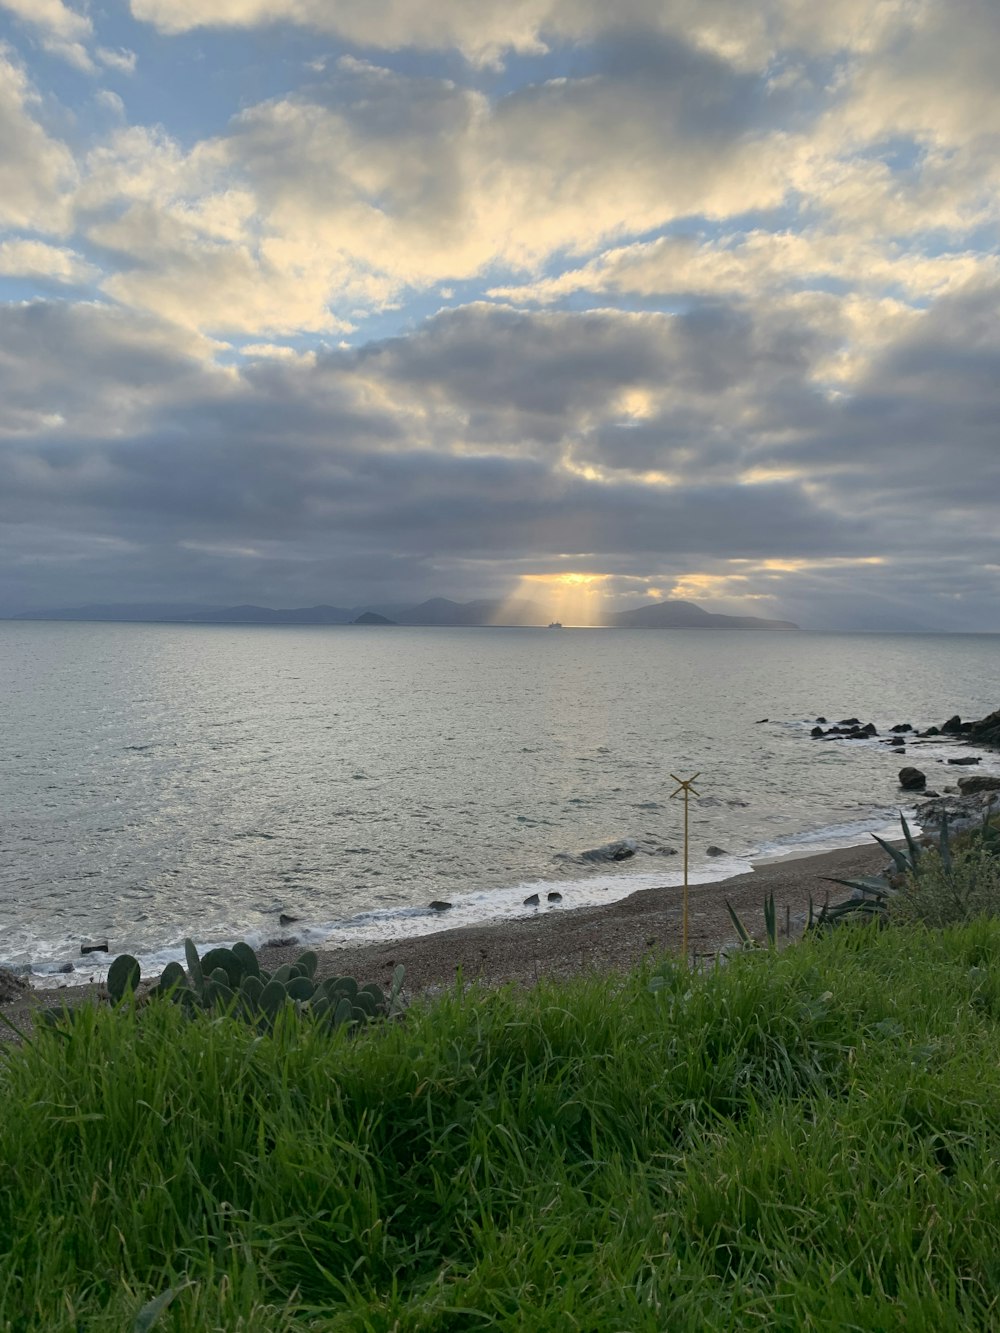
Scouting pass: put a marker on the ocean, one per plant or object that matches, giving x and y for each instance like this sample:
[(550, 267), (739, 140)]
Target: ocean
[(158, 781)]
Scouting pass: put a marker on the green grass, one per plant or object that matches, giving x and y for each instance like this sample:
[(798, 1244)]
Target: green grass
[(802, 1141)]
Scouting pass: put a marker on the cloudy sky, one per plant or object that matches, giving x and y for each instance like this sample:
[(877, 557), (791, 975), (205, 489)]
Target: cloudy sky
[(366, 300)]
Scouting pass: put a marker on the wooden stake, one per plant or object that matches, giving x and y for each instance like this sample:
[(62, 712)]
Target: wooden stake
[(684, 785)]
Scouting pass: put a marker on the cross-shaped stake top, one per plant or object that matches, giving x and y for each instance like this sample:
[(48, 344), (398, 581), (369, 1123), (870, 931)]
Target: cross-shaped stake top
[(684, 785)]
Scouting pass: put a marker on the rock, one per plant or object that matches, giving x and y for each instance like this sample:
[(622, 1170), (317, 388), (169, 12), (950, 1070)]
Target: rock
[(94, 946), (911, 779), (67, 967), (532, 900), (978, 782), (962, 811), (715, 851), (816, 733), (952, 727), (931, 731), (553, 897), (12, 987), (899, 749), (760, 720), (821, 719), (966, 759), (986, 731), (438, 905), (287, 919), (901, 726), (870, 729), (849, 722)]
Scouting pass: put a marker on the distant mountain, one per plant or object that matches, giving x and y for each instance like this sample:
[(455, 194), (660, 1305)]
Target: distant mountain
[(437, 611), (686, 615)]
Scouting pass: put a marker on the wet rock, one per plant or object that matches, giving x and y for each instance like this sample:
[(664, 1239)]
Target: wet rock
[(986, 731), (901, 726), (911, 779), (965, 811), (439, 905), (94, 946), (978, 782), (762, 719), (67, 967), (822, 719), (553, 897), (966, 759), (931, 731), (849, 722), (287, 919), (816, 733), (12, 987), (715, 851), (532, 900), (952, 727)]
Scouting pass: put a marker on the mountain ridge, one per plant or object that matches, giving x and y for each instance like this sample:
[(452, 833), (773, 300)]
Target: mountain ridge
[(435, 612)]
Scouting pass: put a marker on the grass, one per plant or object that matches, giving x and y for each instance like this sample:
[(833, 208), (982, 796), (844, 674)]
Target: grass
[(802, 1141)]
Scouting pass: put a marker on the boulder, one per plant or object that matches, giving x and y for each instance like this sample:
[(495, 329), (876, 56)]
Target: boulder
[(986, 731), (849, 722), (438, 905), (965, 759), (978, 782), (901, 726), (715, 851), (952, 727), (821, 719), (911, 779), (531, 900), (287, 919), (553, 897), (816, 733), (94, 946)]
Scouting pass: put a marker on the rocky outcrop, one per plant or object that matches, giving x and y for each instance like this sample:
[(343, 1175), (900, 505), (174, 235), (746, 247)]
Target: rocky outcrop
[(978, 782), (967, 811), (12, 987), (849, 729), (986, 731)]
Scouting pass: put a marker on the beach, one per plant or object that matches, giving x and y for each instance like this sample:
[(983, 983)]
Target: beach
[(560, 943)]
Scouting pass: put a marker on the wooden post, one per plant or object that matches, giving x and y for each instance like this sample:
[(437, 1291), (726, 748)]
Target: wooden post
[(684, 785)]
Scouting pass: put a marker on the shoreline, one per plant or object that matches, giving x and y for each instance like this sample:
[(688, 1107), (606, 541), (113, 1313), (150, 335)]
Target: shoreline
[(611, 937)]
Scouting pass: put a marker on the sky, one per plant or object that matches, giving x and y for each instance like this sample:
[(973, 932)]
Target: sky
[(364, 301)]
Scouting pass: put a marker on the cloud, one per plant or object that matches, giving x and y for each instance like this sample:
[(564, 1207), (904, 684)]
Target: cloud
[(407, 455), (38, 259), (36, 171)]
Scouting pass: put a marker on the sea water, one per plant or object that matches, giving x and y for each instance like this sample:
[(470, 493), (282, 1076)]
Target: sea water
[(158, 781)]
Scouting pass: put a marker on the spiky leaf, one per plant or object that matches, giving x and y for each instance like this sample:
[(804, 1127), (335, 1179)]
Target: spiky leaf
[(741, 930)]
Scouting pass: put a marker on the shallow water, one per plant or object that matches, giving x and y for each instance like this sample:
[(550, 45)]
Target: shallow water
[(161, 780)]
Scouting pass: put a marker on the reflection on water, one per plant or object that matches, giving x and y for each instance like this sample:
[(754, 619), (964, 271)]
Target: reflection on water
[(163, 780)]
